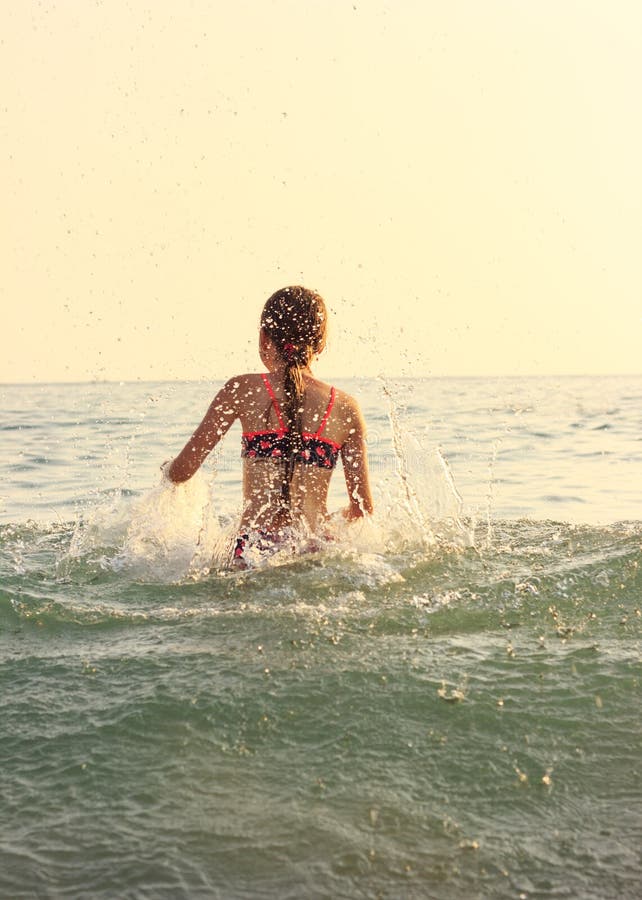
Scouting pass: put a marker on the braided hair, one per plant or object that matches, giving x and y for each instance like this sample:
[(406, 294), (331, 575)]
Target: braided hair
[(295, 319)]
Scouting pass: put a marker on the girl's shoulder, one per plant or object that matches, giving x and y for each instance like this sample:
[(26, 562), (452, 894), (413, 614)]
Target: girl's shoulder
[(345, 413), (344, 400), (242, 384), (244, 397)]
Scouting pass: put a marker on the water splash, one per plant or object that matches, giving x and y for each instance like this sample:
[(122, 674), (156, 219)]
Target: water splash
[(174, 533), (428, 500), (490, 494), (169, 533)]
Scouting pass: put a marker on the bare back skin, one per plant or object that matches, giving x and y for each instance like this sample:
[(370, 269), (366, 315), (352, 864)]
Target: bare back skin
[(246, 398)]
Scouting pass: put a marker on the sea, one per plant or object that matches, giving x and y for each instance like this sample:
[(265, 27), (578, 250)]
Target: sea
[(441, 701)]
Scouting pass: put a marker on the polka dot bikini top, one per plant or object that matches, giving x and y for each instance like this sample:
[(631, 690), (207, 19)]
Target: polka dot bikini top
[(316, 450)]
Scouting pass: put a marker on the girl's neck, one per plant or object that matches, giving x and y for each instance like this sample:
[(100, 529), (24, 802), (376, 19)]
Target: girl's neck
[(278, 369)]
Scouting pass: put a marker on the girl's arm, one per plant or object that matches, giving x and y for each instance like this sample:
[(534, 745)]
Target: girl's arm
[(222, 412), (355, 467)]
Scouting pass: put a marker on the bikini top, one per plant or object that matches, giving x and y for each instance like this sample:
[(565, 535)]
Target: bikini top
[(316, 450)]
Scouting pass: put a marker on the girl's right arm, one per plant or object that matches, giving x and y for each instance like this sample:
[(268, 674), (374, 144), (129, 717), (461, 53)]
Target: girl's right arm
[(222, 412), (355, 467)]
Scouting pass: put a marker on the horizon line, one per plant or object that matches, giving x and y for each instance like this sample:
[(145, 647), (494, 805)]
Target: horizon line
[(423, 377)]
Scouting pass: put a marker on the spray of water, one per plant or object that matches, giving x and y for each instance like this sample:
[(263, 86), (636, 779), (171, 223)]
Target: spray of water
[(169, 533), (178, 532), (427, 497)]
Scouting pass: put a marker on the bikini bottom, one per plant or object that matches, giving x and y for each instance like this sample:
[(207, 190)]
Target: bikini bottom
[(262, 542), (255, 547)]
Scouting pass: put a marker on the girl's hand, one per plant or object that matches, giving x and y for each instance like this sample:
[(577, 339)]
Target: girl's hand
[(165, 470), (353, 512)]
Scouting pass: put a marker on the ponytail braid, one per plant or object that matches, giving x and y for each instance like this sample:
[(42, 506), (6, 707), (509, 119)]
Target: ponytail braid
[(295, 319)]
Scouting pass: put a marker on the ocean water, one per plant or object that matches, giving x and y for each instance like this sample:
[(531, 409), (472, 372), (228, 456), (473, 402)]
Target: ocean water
[(442, 702)]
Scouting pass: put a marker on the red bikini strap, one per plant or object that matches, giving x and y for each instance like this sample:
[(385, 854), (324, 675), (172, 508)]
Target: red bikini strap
[(327, 413), (274, 402)]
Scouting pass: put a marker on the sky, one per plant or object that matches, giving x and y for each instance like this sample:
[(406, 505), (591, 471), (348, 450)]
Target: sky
[(460, 179)]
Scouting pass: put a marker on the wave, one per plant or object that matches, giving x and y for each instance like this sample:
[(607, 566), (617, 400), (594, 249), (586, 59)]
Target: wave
[(163, 556), (113, 572)]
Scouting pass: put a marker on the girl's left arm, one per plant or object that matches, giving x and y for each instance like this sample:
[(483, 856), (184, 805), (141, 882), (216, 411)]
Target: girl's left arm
[(222, 412), (355, 467)]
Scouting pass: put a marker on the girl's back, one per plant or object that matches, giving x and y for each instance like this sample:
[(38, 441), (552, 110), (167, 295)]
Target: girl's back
[(327, 417), (295, 428)]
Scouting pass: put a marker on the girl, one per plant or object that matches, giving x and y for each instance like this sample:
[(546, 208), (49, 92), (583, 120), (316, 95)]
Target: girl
[(294, 429)]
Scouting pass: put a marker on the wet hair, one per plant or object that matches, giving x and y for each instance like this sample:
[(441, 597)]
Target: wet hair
[(295, 319)]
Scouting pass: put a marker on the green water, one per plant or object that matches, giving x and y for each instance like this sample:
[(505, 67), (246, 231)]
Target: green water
[(449, 724), (444, 703)]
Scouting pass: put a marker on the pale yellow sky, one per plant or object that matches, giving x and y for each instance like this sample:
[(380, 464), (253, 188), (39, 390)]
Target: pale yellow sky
[(460, 179)]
